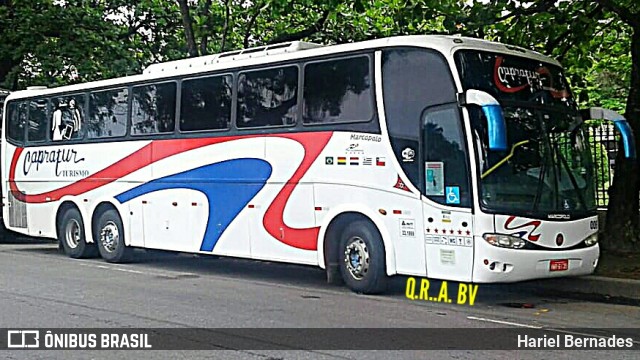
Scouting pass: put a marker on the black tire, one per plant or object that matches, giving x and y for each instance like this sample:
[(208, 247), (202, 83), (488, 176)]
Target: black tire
[(109, 234), (72, 238), (362, 258)]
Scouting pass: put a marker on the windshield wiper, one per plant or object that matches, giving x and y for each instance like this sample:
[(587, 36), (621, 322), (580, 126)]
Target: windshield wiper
[(572, 178), (536, 200)]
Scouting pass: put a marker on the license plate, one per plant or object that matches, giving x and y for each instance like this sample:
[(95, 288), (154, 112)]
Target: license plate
[(559, 265)]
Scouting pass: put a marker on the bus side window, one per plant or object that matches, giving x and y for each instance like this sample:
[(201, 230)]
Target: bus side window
[(108, 113), (38, 110), (412, 80), (153, 109), (446, 153), (17, 117), (67, 117), (205, 103), (338, 91), (268, 97)]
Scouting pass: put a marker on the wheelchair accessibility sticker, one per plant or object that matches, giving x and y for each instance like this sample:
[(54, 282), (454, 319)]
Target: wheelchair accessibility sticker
[(453, 194)]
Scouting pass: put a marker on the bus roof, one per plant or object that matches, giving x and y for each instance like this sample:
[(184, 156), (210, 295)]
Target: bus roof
[(208, 60), (446, 44)]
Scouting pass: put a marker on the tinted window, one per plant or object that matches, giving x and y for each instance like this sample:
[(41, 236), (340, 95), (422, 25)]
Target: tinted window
[(446, 170), (38, 120), (17, 118), (337, 91), (153, 109), (206, 103), (514, 78), (108, 113), (268, 97), (67, 117), (413, 79)]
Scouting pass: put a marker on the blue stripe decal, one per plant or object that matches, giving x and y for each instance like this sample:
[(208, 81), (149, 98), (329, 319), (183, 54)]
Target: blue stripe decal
[(228, 186)]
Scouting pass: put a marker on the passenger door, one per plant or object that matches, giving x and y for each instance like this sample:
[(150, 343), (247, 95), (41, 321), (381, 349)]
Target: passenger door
[(427, 137), (447, 197)]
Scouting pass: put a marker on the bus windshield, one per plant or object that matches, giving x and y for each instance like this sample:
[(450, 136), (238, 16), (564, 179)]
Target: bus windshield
[(547, 169)]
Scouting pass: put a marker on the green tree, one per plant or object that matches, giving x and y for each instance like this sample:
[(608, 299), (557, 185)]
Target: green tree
[(623, 223), (60, 42), (606, 82), (599, 44), (212, 27)]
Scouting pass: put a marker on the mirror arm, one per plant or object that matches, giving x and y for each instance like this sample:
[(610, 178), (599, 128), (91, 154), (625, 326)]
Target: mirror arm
[(620, 123), (627, 138)]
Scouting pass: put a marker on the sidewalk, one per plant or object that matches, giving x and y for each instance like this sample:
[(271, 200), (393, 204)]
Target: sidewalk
[(615, 290)]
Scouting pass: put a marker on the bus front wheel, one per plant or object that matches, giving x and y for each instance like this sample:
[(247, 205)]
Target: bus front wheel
[(72, 237), (362, 258), (109, 235)]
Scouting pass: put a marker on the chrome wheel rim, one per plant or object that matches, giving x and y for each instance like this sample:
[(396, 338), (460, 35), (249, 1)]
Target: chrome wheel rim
[(110, 236), (356, 258), (72, 234)]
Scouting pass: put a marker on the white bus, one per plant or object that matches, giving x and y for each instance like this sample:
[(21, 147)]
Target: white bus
[(435, 156), (3, 94)]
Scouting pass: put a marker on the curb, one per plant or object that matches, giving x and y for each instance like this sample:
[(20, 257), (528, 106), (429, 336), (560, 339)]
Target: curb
[(605, 287)]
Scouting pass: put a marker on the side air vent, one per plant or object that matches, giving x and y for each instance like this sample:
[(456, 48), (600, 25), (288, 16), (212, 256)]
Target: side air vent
[(17, 213)]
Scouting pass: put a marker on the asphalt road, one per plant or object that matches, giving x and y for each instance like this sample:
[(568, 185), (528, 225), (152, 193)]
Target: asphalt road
[(40, 287)]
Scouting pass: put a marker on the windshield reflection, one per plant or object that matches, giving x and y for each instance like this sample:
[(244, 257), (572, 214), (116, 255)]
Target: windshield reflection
[(547, 167)]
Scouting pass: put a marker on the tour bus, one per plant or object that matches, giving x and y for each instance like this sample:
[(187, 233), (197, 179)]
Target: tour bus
[(435, 156), (3, 95)]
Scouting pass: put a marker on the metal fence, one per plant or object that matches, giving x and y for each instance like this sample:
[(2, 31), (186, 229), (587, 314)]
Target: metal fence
[(604, 147)]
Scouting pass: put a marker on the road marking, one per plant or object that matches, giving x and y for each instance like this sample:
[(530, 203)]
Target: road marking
[(165, 274), (504, 322)]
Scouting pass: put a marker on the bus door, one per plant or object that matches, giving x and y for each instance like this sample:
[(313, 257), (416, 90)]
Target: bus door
[(447, 201), (426, 132)]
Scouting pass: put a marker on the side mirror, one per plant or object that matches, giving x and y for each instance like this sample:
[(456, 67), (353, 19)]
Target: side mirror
[(621, 124), (496, 125)]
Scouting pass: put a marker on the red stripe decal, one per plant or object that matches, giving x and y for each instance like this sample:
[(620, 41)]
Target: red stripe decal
[(273, 221), (150, 153)]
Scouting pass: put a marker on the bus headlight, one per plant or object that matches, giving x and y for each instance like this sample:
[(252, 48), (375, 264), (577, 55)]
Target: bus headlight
[(591, 240), (505, 241)]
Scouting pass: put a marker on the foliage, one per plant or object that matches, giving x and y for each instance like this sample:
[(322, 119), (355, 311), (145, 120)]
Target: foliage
[(606, 82), (60, 42)]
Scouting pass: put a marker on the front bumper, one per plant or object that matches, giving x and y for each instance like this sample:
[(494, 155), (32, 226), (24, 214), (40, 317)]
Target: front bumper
[(511, 265)]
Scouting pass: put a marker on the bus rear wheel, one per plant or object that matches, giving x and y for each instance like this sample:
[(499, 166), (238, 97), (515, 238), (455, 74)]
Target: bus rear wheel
[(72, 237), (109, 234), (362, 258)]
